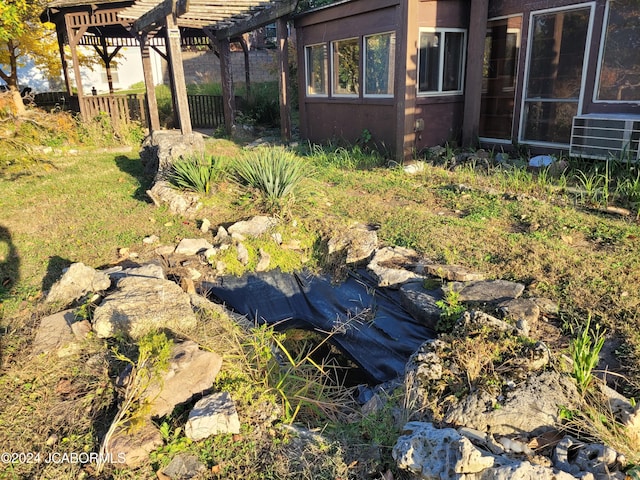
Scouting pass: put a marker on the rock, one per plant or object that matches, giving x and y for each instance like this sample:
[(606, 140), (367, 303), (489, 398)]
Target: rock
[(394, 266), (255, 227), (134, 447), (212, 415), (163, 147), (192, 246), (183, 466), (191, 371), (575, 457), (150, 240), (453, 273), (76, 282), (150, 270), (531, 407), (488, 291), (434, 453), (222, 236), (185, 204), (54, 332), (421, 303), (142, 304), (423, 368), (476, 320), (359, 240), (523, 470), (523, 311), (205, 225), (263, 262), (546, 306), (242, 254)]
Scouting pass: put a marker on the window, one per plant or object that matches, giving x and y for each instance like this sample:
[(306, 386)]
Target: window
[(619, 76), (553, 87), (346, 67), (441, 61), (316, 64), (380, 51)]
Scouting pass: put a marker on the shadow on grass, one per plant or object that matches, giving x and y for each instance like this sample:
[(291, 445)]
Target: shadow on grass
[(134, 168), (54, 271), (9, 264)]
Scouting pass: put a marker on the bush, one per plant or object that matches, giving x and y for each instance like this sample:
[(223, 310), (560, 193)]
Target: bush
[(273, 171)]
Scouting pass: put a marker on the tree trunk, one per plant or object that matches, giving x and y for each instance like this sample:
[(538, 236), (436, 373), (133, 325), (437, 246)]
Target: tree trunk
[(18, 105)]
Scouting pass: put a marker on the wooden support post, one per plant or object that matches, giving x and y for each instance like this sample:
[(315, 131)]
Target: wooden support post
[(151, 100), (226, 77), (106, 58), (178, 86), (247, 68), (63, 58), (74, 38), (283, 78), (473, 78), (405, 80)]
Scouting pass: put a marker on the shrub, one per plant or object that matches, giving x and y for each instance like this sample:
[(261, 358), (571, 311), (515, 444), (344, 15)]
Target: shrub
[(195, 173), (273, 171)]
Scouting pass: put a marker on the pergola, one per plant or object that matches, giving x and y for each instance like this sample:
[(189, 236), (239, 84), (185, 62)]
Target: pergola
[(108, 25)]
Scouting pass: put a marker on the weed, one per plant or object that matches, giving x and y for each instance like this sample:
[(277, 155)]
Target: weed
[(585, 349), (451, 309)]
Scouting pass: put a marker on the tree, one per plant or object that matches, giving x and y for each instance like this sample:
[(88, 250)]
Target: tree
[(22, 36)]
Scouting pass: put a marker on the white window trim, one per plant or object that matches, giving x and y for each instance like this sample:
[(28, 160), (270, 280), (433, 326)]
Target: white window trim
[(585, 63), (332, 69), (306, 72), (463, 61), (364, 67), (603, 39)]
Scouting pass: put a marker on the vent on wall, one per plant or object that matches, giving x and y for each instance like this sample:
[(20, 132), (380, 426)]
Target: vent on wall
[(605, 136)]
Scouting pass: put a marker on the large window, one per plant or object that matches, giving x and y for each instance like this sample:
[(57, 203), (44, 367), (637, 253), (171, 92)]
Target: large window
[(380, 53), (346, 67), (441, 61), (316, 60), (619, 78), (499, 73), (553, 91)]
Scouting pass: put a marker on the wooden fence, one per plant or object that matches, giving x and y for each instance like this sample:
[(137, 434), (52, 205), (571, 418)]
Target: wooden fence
[(206, 111)]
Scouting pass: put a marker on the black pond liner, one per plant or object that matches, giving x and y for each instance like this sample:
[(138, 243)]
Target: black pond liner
[(370, 325)]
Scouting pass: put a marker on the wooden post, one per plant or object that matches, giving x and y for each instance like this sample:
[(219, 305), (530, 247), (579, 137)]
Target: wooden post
[(63, 58), (247, 69), (473, 79), (283, 79), (106, 58), (74, 38), (178, 86), (151, 100), (226, 77), (405, 79)]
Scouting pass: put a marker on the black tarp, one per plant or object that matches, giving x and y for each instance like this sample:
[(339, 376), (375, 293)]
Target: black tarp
[(369, 324)]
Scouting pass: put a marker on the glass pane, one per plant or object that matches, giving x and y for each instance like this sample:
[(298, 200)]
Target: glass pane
[(380, 54), (620, 70), (429, 62), (501, 51), (555, 69), (549, 121), (453, 48), (346, 67), (317, 70)]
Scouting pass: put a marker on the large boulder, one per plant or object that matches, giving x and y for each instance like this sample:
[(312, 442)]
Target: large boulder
[(163, 147), (76, 282)]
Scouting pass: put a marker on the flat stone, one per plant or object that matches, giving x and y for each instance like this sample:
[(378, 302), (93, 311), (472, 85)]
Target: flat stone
[(142, 304), (183, 466), (134, 447), (394, 266), (54, 332), (453, 273), (421, 303), (181, 203), (212, 415), (359, 240), (242, 254), (488, 291), (263, 262), (192, 246), (191, 371), (254, 227), (76, 282)]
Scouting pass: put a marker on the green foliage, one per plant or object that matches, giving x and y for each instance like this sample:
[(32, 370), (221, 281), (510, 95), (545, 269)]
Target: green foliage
[(196, 173), (585, 349), (274, 172), (451, 309), (352, 158)]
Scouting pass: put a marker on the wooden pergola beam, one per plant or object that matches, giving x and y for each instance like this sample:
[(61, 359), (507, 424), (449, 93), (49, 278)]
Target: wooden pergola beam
[(259, 19)]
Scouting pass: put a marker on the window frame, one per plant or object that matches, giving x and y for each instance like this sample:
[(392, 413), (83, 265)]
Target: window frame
[(327, 71), (334, 71), (601, 51), (463, 58), (392, 67)]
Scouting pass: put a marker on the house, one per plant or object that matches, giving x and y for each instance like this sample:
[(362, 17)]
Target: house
[(555, 75)]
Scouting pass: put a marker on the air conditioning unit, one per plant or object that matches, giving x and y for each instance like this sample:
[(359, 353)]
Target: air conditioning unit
[(606, 136)]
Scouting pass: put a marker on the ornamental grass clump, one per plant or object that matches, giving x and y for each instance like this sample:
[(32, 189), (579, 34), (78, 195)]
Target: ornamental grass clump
[(274, 172), (195, 173)]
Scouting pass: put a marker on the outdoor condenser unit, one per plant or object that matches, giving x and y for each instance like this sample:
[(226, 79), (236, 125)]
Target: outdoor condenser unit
[(604, 137)]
